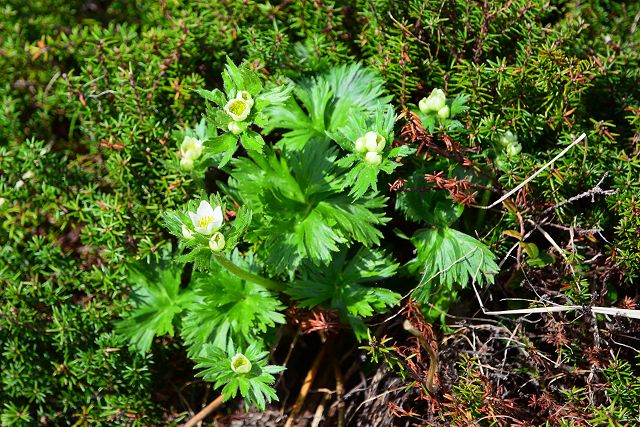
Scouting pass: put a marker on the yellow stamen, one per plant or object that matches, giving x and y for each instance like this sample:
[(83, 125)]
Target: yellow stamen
[(205, 221), (238, 107)]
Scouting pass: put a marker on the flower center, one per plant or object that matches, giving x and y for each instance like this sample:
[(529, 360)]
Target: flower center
[(205, 221), (238, 107), (240, 364)]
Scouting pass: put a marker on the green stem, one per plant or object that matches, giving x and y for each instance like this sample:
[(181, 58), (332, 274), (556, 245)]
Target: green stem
[(249, 277)]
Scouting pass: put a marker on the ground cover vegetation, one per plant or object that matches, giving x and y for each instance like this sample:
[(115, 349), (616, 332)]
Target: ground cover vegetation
[(297, 211)]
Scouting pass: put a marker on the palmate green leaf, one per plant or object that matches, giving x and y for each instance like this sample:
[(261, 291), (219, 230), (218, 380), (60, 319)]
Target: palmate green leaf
[(447, 259), (252, 141), (275, 95), (355, 89), (229, 308), (325, 104), (298, 210), (157, 300), (458, 105), (341, 286), (423, 203), (216, 96), (304, 122)]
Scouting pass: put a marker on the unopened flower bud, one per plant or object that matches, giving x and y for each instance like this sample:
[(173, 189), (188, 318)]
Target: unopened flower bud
[(514, 149), (186, 233), (217, 242), (436, 100), (191, 148), (360, 145), (240, 364), (443, 113), (373, 158), (507, 138), (234, 128), (186, 163), (374, 142)]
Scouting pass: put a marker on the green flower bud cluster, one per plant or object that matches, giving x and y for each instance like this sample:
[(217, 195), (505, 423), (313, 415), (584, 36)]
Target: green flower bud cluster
[(435, 103), (190, 151), (371, 145), (508, 141), (507, 147)]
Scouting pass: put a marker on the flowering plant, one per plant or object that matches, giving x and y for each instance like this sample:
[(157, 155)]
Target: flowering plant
[(299, 218)]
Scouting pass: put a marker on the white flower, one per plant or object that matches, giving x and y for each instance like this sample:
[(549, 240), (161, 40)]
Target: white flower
[(191, 148), (206, 220), (443, 113), (234, 128), (186, 233), (217, 242), (434, 102), (374, 142), (373, 158), (240, 364), (238, 109), (246, 97)]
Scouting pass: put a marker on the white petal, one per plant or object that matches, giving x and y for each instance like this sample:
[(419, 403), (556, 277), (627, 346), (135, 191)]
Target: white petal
[(194, 219), (205, 209), (208, 230), (218, 218)]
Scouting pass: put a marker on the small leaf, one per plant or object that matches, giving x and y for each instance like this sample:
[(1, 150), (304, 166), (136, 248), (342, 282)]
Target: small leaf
[(252, 141), (513, 233), (216, 96), (531, 249)]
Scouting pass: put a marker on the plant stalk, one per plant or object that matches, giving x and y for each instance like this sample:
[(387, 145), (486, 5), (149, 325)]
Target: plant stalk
[(433, 356), (272, 285), (204, 412)]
